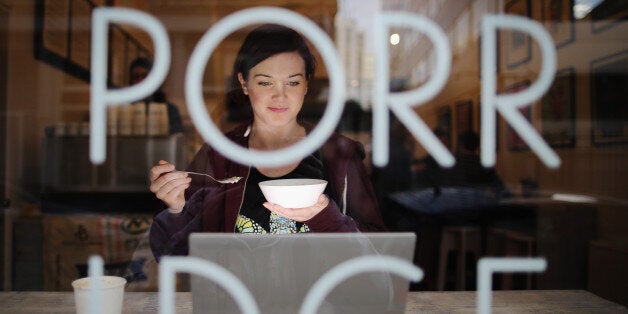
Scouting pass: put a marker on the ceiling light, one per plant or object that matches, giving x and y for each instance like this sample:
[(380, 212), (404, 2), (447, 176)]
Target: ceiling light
[(394, 39)]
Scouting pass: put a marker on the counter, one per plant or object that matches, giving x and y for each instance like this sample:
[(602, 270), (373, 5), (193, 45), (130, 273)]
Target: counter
[(565, 301), (67, 167)]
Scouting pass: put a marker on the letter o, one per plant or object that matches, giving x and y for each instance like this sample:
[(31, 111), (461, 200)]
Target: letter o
[(198, 61)]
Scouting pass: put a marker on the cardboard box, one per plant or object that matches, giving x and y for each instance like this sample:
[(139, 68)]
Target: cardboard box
[(121, 240)]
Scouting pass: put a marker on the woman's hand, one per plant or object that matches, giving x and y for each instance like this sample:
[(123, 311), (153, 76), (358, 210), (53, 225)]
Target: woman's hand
[(169, 185), (299, 214)]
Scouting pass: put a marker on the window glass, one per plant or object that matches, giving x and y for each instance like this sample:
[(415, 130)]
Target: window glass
[(543, 178)]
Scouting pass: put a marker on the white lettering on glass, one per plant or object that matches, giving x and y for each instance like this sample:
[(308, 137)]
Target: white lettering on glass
[(213, 135), (401, 103), (489, 265), (170, 265), (95, 269), (508, 105), (100, 96), (328, 281)]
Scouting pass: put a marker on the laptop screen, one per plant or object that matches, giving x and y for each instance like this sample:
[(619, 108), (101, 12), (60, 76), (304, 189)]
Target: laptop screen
[(279, 270)]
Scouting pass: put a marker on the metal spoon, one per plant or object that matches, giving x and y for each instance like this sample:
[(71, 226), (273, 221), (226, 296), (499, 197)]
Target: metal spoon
[(223, 181)]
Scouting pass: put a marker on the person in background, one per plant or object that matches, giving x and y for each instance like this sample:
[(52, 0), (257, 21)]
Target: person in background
[(426, 169), (138, 70), (272, 69), (397, 174), (468, 171)]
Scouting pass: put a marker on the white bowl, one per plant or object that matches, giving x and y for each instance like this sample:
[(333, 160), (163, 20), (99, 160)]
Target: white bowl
[(293, 193)]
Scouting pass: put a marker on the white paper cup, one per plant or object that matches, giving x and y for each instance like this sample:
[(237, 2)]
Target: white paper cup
[(111, 290)]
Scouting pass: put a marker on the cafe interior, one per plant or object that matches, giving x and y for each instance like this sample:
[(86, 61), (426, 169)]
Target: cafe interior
[(59, 208)]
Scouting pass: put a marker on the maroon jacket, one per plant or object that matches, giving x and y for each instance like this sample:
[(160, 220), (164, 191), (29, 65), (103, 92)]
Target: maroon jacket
[(212, 207)]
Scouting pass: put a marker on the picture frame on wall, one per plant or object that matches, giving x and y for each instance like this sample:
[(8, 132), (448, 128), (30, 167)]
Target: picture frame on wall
[(558, 110), (558, 19), (62, 39), (608, 14), (517, 46), (80, 30), (609, 100), (513, 140), (443, 125), (464, 117)]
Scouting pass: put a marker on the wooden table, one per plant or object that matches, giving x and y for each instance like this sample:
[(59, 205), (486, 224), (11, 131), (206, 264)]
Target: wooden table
[(539, 220), (565, 301)]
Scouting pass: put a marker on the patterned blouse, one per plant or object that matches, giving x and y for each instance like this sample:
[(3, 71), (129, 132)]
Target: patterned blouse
[(255, 218)]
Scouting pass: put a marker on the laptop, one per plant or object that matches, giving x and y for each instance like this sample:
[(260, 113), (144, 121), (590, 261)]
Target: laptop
[(279, 270)]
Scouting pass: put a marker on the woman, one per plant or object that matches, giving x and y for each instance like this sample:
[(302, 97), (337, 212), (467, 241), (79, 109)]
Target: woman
[(138, 70), (273, 68)]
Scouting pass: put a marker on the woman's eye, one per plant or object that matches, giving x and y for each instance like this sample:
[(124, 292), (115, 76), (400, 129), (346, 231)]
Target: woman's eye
[(263, 83), (295, 83)]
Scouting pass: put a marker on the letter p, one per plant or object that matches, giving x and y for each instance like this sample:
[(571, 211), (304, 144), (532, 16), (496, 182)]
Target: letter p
[(100, 96)]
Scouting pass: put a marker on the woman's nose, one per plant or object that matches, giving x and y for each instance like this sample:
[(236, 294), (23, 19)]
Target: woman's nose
[(280, 90)]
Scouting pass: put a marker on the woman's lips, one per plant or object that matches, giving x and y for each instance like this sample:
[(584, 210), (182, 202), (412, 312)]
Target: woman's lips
[(277, 109)]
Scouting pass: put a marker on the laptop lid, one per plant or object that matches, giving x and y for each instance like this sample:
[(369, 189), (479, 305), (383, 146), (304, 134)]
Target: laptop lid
[(279, 270)]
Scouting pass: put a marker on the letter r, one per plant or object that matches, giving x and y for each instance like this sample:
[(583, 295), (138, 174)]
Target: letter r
[(507, 104), (400, 103)]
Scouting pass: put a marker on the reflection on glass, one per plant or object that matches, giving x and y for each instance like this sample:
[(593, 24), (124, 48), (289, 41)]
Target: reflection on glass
[(60, 209)]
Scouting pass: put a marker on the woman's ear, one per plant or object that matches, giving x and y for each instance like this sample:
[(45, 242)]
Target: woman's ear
[(242, 83)]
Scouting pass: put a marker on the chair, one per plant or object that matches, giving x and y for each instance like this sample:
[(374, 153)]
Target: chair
[(508, 243), (460, 240)]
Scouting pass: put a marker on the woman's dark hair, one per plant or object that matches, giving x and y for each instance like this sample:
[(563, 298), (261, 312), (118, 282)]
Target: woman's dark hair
[(143, 62), (266, 41), (260, 44)]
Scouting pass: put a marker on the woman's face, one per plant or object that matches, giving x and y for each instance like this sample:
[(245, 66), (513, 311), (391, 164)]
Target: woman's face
[(276, 88), (138, 74)]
